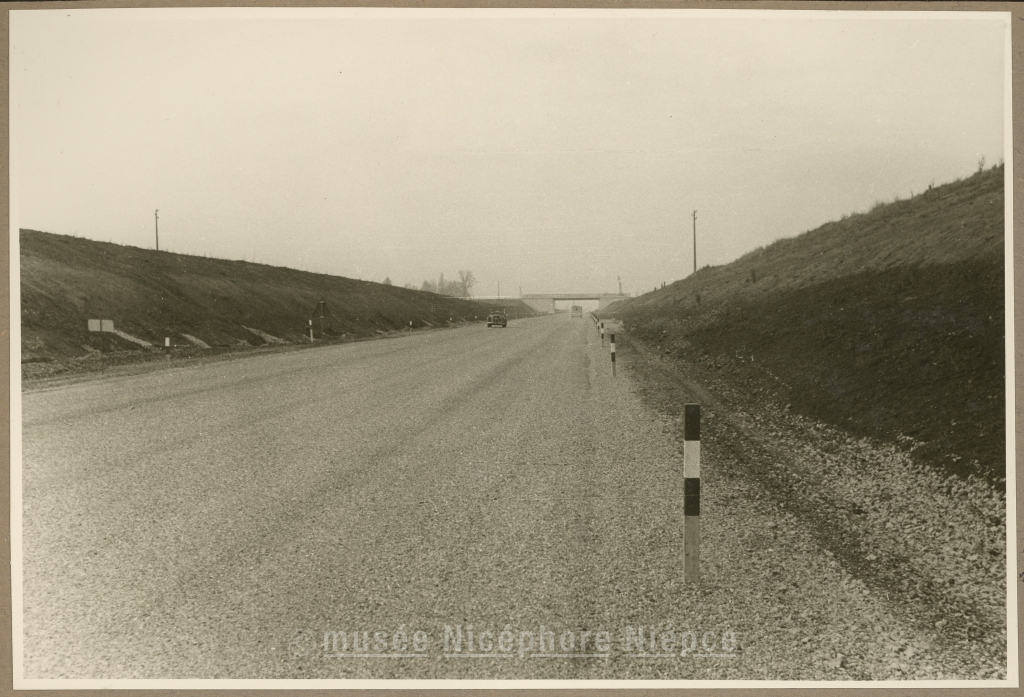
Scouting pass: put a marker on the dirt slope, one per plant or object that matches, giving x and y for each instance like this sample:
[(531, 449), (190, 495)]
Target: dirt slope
[(888, 324), (151, 295)]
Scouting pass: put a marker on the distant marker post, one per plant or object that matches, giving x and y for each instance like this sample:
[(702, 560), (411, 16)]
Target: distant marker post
[(310, 331), (691, 493), (613, 354)]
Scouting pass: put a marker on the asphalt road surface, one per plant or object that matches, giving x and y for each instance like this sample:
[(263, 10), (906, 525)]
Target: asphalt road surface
[(215, 521)]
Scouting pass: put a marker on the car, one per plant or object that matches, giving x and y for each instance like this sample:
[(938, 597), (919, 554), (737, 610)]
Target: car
[(497, 318)]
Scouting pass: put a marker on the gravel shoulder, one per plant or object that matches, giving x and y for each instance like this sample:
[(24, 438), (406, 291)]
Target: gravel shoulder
[(870, 565)]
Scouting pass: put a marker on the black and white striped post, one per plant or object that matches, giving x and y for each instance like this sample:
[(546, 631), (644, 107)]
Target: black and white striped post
[(691, 493), (602, 333), (613, 353)]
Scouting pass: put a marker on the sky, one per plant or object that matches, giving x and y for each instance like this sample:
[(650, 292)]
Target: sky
[(547, 151)]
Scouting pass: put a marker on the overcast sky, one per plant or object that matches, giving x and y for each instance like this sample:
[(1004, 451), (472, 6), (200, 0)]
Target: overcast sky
[(553, 151)]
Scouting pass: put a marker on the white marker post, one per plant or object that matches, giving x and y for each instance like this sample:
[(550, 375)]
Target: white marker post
[(311, 331), (691, 493), (410, 325), (167, 347), (613, 354)]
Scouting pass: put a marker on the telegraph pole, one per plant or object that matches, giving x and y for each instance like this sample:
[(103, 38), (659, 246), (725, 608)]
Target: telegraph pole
[(695, 241), (156, 221)]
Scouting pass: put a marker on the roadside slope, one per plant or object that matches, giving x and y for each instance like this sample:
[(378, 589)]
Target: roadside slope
[(151, 295), (888, 324)]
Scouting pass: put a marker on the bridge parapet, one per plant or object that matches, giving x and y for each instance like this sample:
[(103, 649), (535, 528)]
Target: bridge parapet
[(545, 302)]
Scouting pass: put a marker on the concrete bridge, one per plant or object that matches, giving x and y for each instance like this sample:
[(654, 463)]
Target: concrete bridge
[(545, 302)]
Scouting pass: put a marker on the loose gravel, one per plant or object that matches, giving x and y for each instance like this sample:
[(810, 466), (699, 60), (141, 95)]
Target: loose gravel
[(907, 569)]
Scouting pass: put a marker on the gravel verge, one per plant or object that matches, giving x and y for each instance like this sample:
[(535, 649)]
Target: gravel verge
[(900, 573)]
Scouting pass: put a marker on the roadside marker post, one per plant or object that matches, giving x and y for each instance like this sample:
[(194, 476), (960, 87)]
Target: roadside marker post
[(102, 326), (167, 347), (613, 354), (602, 334), (691, 493), (319, 312)]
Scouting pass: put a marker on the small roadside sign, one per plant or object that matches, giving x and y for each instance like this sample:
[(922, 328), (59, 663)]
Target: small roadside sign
[(101, 325)]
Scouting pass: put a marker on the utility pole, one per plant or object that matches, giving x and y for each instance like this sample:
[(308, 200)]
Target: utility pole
[(620, 284), (156, 221), (695, 241)]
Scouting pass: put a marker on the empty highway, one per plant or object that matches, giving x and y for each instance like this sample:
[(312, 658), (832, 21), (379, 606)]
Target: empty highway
[(475, 503), (188, 522)]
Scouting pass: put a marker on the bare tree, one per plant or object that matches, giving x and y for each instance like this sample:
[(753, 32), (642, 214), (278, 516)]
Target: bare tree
[(466, 280), (453, 288)]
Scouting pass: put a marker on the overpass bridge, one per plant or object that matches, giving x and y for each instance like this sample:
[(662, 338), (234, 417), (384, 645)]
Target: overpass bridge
[(545, 302)]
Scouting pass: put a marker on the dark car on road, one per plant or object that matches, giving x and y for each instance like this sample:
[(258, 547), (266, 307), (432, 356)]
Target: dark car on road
[(497, 318)]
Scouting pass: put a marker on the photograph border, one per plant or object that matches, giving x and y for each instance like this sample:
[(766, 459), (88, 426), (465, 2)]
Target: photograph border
[(1014, 105)]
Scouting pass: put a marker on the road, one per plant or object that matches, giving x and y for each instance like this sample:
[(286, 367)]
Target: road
[(225, 520), (189, 522)]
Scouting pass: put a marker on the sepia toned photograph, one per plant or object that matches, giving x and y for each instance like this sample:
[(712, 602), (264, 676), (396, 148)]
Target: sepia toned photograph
[(511, 348)]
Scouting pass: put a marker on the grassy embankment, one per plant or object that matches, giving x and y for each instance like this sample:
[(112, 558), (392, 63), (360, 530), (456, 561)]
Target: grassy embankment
[(151, 295), (887, 323)]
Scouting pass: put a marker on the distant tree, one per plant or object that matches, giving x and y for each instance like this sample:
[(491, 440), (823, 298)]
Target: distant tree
[(387, 281), (466, 281), (455, 289)]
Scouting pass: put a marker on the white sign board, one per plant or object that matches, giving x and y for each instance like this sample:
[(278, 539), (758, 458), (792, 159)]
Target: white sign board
[(101, 325)]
